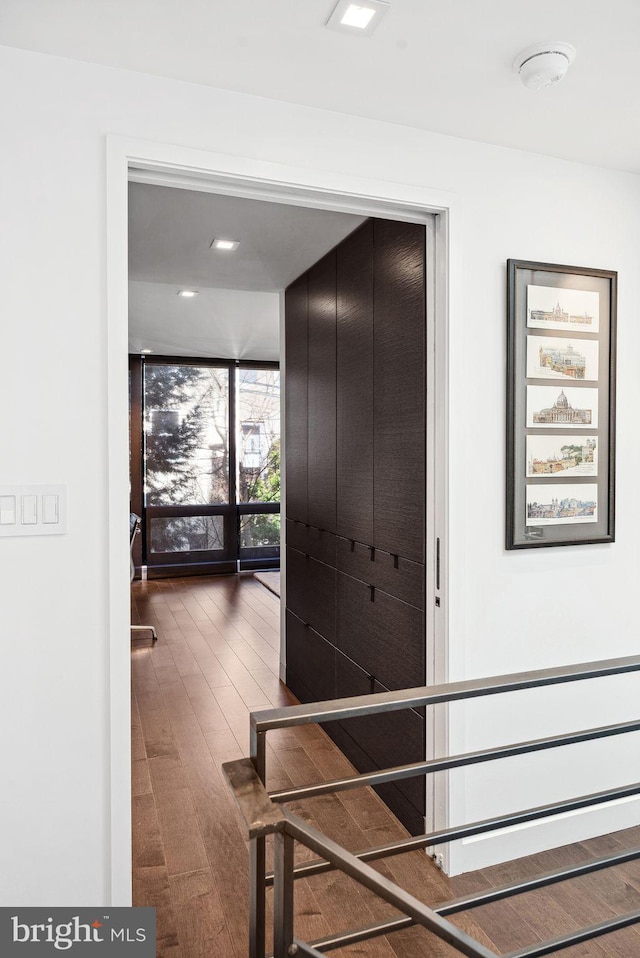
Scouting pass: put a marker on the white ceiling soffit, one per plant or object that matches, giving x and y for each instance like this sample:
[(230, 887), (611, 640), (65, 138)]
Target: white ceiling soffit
[(217, 323), (171, 230), (441, 66)]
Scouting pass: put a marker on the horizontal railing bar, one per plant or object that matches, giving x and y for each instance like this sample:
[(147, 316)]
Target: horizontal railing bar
[(344, 939), (475, 828), (362, 934), (340, 709), (539, 881), (455, 761), (475, 901), (387, 890), (304, 948), (574, 938)]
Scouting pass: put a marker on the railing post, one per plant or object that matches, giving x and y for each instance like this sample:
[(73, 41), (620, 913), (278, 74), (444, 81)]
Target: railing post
[(282, 895), (257, 859)]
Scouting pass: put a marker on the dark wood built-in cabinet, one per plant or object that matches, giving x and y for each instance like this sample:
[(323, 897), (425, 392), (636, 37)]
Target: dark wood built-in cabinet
[(355, 481)]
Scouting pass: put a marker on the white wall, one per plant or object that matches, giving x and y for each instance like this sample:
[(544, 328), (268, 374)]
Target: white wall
[(508, 611)]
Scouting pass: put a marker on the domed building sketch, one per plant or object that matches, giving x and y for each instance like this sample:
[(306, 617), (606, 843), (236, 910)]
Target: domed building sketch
[(557, 308), (562, 411), (573, 407)]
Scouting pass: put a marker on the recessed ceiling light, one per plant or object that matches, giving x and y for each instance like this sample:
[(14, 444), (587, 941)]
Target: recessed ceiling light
[(146, 350), (225, 245), (187, 293), (362, 17)]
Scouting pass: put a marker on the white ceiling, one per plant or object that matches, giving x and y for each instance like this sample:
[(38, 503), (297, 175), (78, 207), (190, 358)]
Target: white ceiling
[(237, 310), (441, 65)]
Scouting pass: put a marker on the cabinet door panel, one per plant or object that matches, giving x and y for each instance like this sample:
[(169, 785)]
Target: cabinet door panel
[(296, 398), (311, 592), (310, 662), (355, 385), (383, 635), (399, 389), (321, 475), (383, 741)]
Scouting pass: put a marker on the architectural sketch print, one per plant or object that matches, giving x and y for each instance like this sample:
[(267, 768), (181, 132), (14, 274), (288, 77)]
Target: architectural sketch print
[(557, 409), (555, 456), (554, 358), (553, 307), (561, 504)]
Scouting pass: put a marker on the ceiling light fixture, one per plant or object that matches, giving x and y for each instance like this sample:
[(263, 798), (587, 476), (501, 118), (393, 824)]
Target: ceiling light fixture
[(544, 64), (187, 293), (145, 351), (225, 245), (362, 17)]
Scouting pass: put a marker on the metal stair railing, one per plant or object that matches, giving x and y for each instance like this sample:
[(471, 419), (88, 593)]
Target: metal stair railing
[(264, 815)]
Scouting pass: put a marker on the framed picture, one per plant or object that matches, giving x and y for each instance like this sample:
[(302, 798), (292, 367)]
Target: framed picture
[(560, 405)]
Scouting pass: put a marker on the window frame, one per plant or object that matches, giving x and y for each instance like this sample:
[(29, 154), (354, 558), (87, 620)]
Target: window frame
[(232, 558)]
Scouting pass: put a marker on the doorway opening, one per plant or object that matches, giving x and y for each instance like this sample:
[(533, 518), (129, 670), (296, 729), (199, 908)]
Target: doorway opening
[(224, 176)]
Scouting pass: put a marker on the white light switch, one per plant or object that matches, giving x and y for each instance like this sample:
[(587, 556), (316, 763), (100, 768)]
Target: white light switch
[(50, 512), (33, 510), (7, 510), (29, 510)]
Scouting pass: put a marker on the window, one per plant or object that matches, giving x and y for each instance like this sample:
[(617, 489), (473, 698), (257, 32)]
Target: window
[(210, 464)]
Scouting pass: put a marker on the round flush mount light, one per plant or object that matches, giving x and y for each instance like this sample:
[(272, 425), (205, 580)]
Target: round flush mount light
[(544, 64)]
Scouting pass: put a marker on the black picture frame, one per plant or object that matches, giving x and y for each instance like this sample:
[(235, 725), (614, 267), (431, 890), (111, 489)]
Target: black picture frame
[(560, 416)]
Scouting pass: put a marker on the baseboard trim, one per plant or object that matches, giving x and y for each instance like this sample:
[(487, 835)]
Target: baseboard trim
[(517, 841)]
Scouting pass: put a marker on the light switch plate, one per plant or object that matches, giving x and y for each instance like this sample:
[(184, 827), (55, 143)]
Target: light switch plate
[(33, 510)]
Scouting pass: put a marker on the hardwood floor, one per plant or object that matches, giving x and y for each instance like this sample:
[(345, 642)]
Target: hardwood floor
[(217, 659)]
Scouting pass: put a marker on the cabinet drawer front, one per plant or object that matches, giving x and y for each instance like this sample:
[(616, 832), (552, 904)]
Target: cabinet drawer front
[(394, 574), (311, 592), (317, 543), (311, 673), (383, 635), (388, 739)]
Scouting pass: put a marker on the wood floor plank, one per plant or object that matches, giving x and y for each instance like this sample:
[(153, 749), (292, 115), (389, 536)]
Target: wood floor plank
[(182, 841), (200, 919), (166, 773), (151, 889), (277, 693), (158, 733), (140, 778), (223, 746), (148, 846)]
